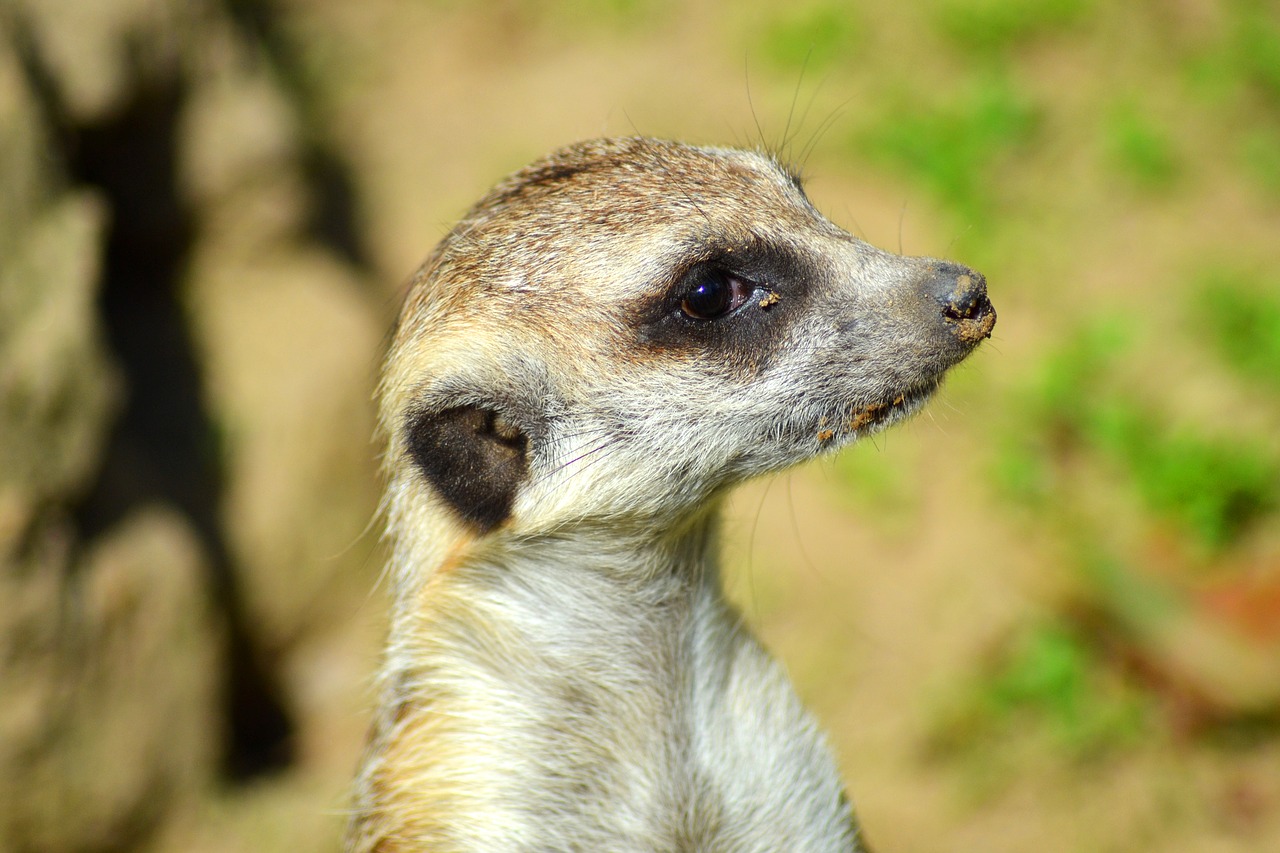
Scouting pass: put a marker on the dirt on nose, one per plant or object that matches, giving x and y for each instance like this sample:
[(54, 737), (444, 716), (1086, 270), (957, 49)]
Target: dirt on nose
[(969, 311)]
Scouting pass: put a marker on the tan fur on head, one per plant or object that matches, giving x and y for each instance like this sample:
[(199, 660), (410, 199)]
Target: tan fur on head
[(610, 339)]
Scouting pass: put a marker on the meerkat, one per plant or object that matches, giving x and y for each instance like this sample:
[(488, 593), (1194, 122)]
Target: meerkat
[(605, 345)]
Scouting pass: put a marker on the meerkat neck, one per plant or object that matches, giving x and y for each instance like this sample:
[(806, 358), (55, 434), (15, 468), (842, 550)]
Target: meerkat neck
[(587, 689), (560, 603)]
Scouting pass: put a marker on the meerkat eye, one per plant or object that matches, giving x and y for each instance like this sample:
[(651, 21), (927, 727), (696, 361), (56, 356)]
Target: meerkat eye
[(715, 295)]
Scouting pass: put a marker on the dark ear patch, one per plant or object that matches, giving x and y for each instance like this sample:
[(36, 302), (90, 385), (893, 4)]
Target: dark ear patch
[(475, 458)]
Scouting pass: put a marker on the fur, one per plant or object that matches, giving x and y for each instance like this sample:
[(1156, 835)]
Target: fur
[(562, 423)]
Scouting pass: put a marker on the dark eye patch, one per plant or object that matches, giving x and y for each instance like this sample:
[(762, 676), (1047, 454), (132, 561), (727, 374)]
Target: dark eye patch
[(733, 304)]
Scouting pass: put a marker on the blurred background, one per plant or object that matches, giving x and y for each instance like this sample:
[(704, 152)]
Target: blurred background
[(1044, 615)]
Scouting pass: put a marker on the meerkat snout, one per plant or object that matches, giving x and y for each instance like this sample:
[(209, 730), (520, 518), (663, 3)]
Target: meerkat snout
[(962, 293), (608, 341)]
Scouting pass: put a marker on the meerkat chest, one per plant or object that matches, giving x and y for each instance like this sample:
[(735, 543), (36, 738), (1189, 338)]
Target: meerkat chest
[(594, 713)]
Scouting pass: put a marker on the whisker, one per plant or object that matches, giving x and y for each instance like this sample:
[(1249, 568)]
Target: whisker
[(755, 117), (785, 142), (563, 465), (821, 131)]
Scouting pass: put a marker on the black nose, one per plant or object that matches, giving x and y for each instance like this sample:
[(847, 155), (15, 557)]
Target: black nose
[(962, 293)]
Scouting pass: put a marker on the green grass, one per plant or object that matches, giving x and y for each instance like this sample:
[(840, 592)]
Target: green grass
[(1236, 74), (1259, 154), (1140, 149), (998, 25), (1254, 45), (1048, 416), (954, 145), (1243, 61), (812, 38), (1213, 488), (1046, 680), (1240, 315)]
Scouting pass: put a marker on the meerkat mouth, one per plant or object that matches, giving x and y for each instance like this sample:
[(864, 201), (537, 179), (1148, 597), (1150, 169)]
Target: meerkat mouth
[(860, 420)]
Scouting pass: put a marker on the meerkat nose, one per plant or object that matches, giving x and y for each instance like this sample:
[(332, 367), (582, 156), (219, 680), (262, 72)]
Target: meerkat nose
[(962, 293)]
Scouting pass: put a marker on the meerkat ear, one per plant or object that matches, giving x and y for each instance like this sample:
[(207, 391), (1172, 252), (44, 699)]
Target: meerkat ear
[(475, 457)]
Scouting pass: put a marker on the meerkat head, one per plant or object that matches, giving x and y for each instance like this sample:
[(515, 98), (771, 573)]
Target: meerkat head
[(620, 331)]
